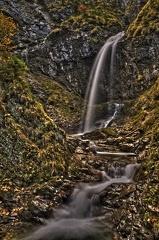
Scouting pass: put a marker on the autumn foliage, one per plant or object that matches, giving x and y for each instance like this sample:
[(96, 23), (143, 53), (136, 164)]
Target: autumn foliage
[(82, 8), (7, 31), (11, 66)]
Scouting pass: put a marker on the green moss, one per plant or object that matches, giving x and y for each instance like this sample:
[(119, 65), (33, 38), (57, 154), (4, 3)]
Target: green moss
[(62, 105), (102, 133), (84, 14), (146, 21), (146, 117), (93, 17), (33, 148), (145, 110), (11, 67)]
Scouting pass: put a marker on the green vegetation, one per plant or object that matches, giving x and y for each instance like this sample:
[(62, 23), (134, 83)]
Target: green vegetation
[(147, 20), (32, 148), (11, 67), (147, 110), (42, 148), (84, 15), (34, 152), (146, 118), (60, 104), (102, 133), (7, 30)]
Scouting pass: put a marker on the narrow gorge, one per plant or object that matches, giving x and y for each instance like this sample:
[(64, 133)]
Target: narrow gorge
[(79, 120)]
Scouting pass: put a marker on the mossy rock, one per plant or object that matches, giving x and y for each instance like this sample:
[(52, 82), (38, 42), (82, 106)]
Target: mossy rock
[(146, 21), (82, 15), (33, 148), (146, 118), (102, 133), (60, 104)]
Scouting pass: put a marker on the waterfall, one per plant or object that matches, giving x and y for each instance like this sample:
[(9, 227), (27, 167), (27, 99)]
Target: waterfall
[(113, 116), (106, 55), (76, 220)]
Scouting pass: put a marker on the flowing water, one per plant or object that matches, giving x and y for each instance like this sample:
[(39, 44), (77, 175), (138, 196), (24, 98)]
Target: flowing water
[(75, 221), (106, 123), (104, 60)]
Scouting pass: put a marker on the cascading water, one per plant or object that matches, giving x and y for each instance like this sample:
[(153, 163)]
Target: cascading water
[(76, 221), (106, 56), (113, 116)]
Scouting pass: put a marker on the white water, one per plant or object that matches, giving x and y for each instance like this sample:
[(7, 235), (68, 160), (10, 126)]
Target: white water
[(111, 118), (91, 93), (116, 154), (75, 221)]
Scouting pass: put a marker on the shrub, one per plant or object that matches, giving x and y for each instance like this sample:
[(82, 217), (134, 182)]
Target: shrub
[(11, 67), (7, 31)]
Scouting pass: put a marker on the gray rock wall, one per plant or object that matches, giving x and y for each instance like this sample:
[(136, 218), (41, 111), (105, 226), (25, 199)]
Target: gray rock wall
[(138, 67), (68, 56), (65, 56)]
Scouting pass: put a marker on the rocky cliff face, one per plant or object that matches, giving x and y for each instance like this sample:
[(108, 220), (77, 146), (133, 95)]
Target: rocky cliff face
[(30, 140), (139, 58), (139, 69), (61, 40), (45, 47)]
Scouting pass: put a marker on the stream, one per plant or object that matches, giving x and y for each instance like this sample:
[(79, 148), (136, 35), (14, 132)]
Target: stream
[(78, 219)]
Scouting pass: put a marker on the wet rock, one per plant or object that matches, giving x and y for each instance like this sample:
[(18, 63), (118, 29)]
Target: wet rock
[(133, 63), (46, 191), (27, 215), (39, 208)]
